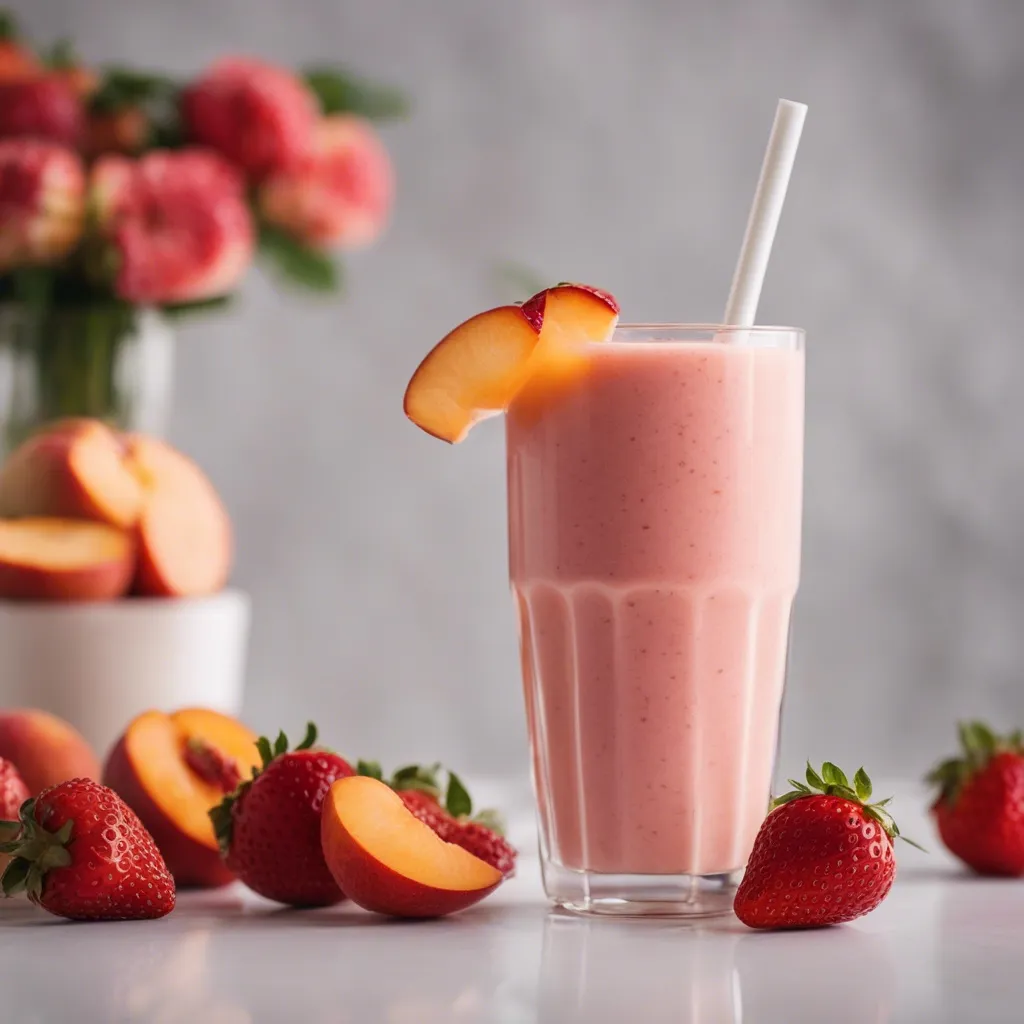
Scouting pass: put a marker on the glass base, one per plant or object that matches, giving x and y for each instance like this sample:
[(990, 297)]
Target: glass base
[(621, 895)]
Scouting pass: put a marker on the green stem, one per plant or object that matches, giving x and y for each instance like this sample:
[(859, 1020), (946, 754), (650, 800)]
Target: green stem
[(72, 357)]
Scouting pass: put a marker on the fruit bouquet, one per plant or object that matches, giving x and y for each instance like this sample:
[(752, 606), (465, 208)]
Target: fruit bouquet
[(128, 197)]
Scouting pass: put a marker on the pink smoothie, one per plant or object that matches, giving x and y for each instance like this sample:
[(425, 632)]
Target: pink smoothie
[(654, 516)]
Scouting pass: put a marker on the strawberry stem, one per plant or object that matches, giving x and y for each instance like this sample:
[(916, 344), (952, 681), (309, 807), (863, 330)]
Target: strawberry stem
[(832, 781), (979, 744)]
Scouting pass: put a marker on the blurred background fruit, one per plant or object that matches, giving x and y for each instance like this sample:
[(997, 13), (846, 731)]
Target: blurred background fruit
[(172, 215)]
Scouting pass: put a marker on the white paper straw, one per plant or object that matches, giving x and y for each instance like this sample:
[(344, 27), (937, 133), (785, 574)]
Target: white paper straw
[(745, 292)]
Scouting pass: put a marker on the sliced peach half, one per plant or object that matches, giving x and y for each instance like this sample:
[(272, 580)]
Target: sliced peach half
[(64, 560), (171, 769), (73, 469), (387, 860), (475, 371)]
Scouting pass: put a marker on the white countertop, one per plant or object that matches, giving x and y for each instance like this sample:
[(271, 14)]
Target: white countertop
[(944, 946)]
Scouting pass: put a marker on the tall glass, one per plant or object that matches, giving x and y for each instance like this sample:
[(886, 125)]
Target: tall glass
[(655, 487)]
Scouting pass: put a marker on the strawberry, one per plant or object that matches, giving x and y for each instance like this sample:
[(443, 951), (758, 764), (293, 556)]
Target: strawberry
[(83, 854), (482, 835), (822, 856), (269, 827), (979, 810)]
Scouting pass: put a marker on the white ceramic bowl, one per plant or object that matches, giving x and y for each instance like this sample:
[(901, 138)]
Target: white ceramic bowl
[(99, 665)]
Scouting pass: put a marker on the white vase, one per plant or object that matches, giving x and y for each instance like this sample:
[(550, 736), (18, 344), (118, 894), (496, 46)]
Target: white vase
[(99, 665)]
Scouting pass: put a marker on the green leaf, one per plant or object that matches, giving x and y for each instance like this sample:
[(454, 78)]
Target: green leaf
[(371, 769), (834, 776), (862, 784), (61, 56), (33, 287), (280, 744), (179, 310), (844, 793), (222, 821), (911, 842), (14, 876), (1016, 739), (125, 87), (457, 800), (266, 751), (298, 263), (984, 738), (786, 798), (8, 26), (339, 92), (309, 739), (491, 819), (814, 780)]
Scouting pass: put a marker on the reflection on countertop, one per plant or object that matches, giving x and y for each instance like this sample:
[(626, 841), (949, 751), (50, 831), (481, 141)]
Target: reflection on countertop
[(943, 947)]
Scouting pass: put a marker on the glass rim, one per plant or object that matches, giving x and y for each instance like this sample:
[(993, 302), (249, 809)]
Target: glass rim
[(717, 328)]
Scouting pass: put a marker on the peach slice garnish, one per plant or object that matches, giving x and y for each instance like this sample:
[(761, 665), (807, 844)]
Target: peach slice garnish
[(385, 859), (476, 371)]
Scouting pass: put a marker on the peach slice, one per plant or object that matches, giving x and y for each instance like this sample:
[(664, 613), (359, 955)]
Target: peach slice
[(45, 749), (473, 372), (171, 769), (64, 560), (386, 859), (184, 532), (74, 469), (476, 370)]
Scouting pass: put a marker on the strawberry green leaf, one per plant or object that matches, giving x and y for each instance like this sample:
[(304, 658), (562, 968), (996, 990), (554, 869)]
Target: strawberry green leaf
[(371, 769), (308, 740), (862, 784), (266, 751), (491, 819), (420, 777), (15, 876), (911, 842), (834, 776), (280, 744), (814, 780), (457, 800)]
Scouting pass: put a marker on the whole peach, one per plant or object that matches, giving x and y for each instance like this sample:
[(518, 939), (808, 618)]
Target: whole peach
[(44, 748)]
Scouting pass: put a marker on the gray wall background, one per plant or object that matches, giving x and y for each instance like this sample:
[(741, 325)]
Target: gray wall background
[(618, 142)]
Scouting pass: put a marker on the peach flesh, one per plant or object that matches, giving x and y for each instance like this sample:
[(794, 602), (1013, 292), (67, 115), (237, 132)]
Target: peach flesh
[(63, 560), (73, 469), (151, 768), (385, 859)]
